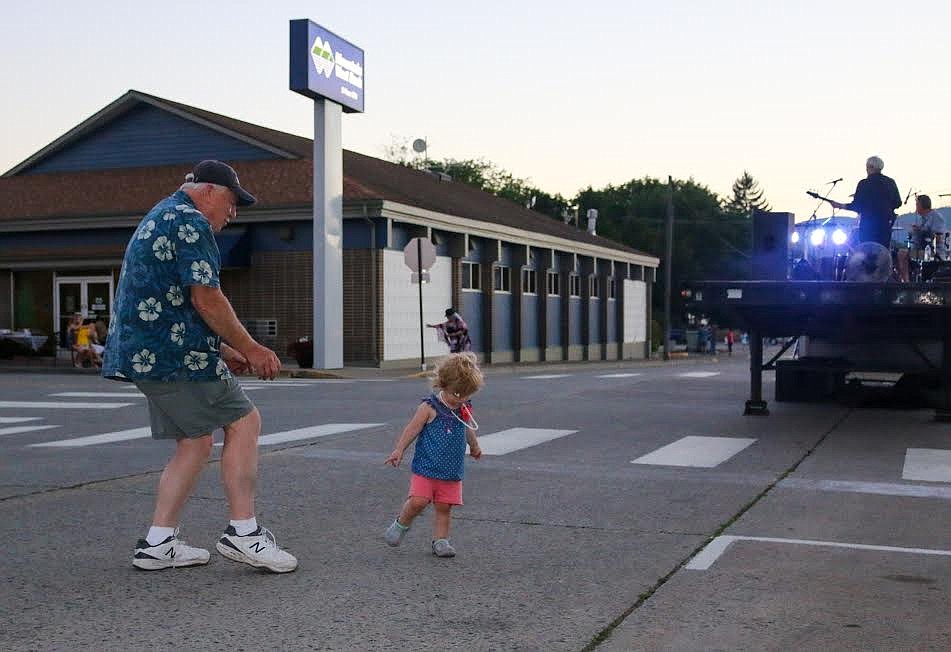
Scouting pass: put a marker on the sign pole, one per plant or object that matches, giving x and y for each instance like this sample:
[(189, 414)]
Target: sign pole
[(669, 249), (419, 266), (328, 236)]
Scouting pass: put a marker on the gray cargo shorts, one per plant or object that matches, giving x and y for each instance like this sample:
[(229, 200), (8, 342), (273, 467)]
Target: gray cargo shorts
[(192, 409)]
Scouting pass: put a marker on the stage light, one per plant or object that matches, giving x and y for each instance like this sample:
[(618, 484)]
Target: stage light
[(794, 238), (817, 237), (839, 237)]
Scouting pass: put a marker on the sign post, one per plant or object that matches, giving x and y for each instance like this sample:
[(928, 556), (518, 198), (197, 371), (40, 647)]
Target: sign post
[(420, 254), (329, 70)]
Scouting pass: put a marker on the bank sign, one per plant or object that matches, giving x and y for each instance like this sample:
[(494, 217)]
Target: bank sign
[(325, 65)]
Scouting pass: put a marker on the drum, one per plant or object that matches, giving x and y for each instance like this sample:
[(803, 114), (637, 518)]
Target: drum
[(942, 272), (942, 245), (869, 262)]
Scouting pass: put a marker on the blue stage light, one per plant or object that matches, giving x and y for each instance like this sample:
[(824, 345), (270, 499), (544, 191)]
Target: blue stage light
[(839, 237), (794, 238), (817, 237)]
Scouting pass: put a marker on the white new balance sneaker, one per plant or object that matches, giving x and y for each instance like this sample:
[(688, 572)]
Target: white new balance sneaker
[(171, 553), (257, 549)]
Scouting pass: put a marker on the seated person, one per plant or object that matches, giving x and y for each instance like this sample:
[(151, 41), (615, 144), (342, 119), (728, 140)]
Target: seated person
[(102, 330), (927, 238), (85, 343)]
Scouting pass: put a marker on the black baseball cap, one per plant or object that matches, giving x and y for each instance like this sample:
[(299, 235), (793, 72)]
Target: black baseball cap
[(222, 174)]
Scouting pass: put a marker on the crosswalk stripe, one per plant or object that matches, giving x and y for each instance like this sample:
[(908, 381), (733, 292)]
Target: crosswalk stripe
[(266, 384), (98, 394), (513, 439), (619, 375), (545, 376), (699, 374), (61, 404), (927, 464), (18, 419), (17, 429), (120, 435), (311, 432), (704, 452)]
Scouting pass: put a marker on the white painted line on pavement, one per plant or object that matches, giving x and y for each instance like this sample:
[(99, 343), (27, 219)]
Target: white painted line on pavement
[(513, 439), (545, 376), (619, 375), (878, 488), (295, 383), (927, 464), (710, 553), (706, 557), (18, 419), (704, 452), (106, 438), (99, 395), (266, 383), (311, 432), (699, 374), (61, 404), (16, 429)]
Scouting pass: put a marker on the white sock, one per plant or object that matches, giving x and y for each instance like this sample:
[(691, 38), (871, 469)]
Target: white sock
[(245, 527), (157, 534)]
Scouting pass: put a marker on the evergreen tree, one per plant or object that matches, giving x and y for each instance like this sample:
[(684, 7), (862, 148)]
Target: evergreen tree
[(747, 196)]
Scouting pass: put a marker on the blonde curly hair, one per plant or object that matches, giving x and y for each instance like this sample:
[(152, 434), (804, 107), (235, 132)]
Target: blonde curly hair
[(459, 373)]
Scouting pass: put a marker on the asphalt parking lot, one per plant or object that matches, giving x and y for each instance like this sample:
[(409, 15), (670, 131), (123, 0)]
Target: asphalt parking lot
[(624, 507)]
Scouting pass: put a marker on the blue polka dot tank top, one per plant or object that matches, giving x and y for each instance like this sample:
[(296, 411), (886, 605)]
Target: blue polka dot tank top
[(441, 446)]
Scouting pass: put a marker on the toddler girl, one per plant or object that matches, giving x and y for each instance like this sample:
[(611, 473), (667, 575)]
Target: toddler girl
[(443, 424)]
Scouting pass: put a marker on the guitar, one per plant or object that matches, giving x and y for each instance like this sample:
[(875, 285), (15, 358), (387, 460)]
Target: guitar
[(816, 195)]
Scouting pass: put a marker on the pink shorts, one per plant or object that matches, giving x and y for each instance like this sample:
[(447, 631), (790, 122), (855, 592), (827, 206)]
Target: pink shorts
[(438, 491)]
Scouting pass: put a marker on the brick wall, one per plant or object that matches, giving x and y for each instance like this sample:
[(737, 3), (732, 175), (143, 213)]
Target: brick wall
[(362, 299), (278, 286)]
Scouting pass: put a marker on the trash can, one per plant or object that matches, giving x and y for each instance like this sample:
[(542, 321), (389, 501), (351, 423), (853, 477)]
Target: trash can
[(693, 340)]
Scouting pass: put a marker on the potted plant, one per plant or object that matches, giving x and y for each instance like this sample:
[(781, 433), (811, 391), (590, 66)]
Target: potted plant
[(303, 351)]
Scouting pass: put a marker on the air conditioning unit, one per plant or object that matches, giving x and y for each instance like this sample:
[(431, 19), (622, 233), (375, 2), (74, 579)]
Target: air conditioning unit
[(263, 330)]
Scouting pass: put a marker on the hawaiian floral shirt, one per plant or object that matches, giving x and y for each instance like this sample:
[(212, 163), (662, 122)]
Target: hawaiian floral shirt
[(155, 333)]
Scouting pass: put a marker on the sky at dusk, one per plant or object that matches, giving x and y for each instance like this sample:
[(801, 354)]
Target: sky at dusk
[(566, 94)]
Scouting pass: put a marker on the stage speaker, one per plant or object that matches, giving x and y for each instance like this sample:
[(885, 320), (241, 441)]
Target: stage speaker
[(770, 258)]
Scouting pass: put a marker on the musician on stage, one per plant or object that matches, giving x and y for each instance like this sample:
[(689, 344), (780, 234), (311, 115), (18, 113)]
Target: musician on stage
[(929, 224), (875, 200)]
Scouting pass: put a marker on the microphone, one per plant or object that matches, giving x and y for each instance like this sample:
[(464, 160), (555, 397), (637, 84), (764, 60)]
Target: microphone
[(837, 180)]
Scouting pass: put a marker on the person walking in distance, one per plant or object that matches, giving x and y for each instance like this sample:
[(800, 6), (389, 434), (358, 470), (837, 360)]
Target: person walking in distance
[(441, 426), (175, 335)]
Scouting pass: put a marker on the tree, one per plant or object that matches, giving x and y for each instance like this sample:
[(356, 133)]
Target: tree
[(709, 243), (747, 196)]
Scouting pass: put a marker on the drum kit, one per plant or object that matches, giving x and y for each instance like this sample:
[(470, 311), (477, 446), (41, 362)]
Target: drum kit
[(929, 255)]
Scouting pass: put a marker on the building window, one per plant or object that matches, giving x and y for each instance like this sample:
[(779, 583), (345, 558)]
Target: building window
[(593, 287), (528, 281), (554, 283), (503, 279), (471, 276), (574, 285), (612, 289)]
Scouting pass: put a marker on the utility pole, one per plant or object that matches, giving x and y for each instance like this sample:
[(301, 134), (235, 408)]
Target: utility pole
[(669, 256)]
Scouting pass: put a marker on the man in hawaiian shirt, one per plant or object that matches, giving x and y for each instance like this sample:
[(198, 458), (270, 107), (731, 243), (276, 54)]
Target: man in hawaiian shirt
[(175, 335)]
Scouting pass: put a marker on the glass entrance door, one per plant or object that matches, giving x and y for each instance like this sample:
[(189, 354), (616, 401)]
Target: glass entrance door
[(89, 296)]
